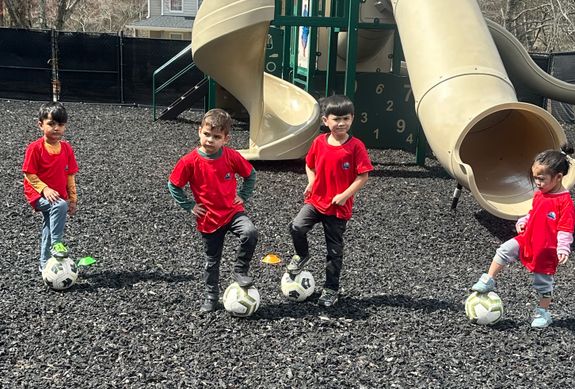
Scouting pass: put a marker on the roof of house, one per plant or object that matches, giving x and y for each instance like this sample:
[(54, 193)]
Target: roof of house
[(163, 21)]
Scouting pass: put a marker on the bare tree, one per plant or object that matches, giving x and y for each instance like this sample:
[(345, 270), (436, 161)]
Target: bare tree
[(19, 13), (541, 25), (106, 15)]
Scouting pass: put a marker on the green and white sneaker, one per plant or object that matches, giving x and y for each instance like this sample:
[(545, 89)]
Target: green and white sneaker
[(296, 264), (59, 250)]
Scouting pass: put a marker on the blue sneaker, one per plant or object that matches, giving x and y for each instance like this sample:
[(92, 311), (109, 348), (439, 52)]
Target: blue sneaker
[(485, 284), (541, 319)]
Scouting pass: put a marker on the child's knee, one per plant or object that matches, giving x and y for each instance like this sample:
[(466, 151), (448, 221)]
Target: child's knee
[(251, 235), (294, 229), (60, 206), (507, 253)]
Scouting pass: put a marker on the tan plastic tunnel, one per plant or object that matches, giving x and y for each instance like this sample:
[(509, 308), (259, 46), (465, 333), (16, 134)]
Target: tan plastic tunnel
[(228, 44), (467, 105)]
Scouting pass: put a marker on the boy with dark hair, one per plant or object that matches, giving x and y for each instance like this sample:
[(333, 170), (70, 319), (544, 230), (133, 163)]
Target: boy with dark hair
[(49, 179), (337, 167), (210, 170)]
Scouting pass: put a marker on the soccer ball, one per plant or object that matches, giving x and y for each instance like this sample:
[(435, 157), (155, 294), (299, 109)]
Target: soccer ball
[(299, 288), (241, 302), (484, 308), (60, 273)]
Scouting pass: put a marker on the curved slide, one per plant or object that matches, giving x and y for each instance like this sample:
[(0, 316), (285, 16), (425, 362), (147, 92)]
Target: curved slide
[(518, 63), (467, 105), (228, 44)]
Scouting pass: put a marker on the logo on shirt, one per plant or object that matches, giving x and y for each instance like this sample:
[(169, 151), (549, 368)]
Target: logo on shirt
[(551, 215), (227, 176), (345, 165)]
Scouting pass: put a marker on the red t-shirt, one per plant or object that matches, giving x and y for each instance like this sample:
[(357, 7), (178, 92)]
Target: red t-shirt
[(52, 169), (550, 212), (336, 167), (213, 183)]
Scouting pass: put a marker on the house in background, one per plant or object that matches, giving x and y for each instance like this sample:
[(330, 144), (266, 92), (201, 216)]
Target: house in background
[(167, 19)]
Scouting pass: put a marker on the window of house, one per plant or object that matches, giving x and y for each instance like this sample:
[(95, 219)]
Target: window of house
[(176, 35), (176, 5)]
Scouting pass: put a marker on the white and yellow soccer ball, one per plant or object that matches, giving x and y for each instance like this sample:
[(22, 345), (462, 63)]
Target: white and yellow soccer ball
[(484, 308), (241, 302), (299, 287), (60, 273)]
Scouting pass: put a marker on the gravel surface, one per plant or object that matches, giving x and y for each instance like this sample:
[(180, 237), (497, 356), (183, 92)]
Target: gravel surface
[(132, 320)]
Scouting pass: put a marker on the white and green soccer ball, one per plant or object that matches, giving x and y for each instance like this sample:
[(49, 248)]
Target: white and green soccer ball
[(60, 273), (241, 302), (484, 308), (299, 287)]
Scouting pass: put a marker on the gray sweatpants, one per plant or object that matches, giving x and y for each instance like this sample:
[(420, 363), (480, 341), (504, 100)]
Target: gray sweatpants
[(508, 253)]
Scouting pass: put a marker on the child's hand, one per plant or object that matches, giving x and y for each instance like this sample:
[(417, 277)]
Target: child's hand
[(72, 206), (198, 210), (339, 199), (238, 200), (563, 258), (51, 195), (520, 227), (307, 191)]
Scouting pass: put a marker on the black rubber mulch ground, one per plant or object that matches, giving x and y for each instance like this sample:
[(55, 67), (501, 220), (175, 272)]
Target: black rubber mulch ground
[(132, 320)]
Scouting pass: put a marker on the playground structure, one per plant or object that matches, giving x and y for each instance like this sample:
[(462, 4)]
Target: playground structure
[(458, 83)]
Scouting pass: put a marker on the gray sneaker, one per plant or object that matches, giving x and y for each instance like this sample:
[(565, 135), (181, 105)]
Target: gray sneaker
[(541, 319), (296, 264), (209, 305), (328, 298), (485, 284)]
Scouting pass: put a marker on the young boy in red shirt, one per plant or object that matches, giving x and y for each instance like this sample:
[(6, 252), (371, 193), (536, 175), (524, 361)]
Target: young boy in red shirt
[(49, 179), (210, 170), (337, 167)]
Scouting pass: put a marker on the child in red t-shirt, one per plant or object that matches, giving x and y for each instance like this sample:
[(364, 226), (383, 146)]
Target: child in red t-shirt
[(544, 235), (211, 170), (49, 179), (337, 167)]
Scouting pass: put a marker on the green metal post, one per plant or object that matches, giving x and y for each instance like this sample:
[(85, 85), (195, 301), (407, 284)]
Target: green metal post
[(210, 101), (286, 61), (331, 61), (397, 53), (351, 55)]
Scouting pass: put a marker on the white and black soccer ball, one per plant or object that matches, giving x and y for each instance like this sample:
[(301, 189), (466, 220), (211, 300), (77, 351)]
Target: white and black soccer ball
[(60, 273), (299, 287), (241, 302), (484, 308)]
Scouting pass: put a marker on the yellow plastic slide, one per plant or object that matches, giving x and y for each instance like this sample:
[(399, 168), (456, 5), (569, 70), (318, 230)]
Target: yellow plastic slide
[(467, 105), (228, 44)]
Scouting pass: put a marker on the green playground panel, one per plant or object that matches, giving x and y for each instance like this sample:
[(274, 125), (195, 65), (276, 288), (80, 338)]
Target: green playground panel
[(385, 112), (274, 51)]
